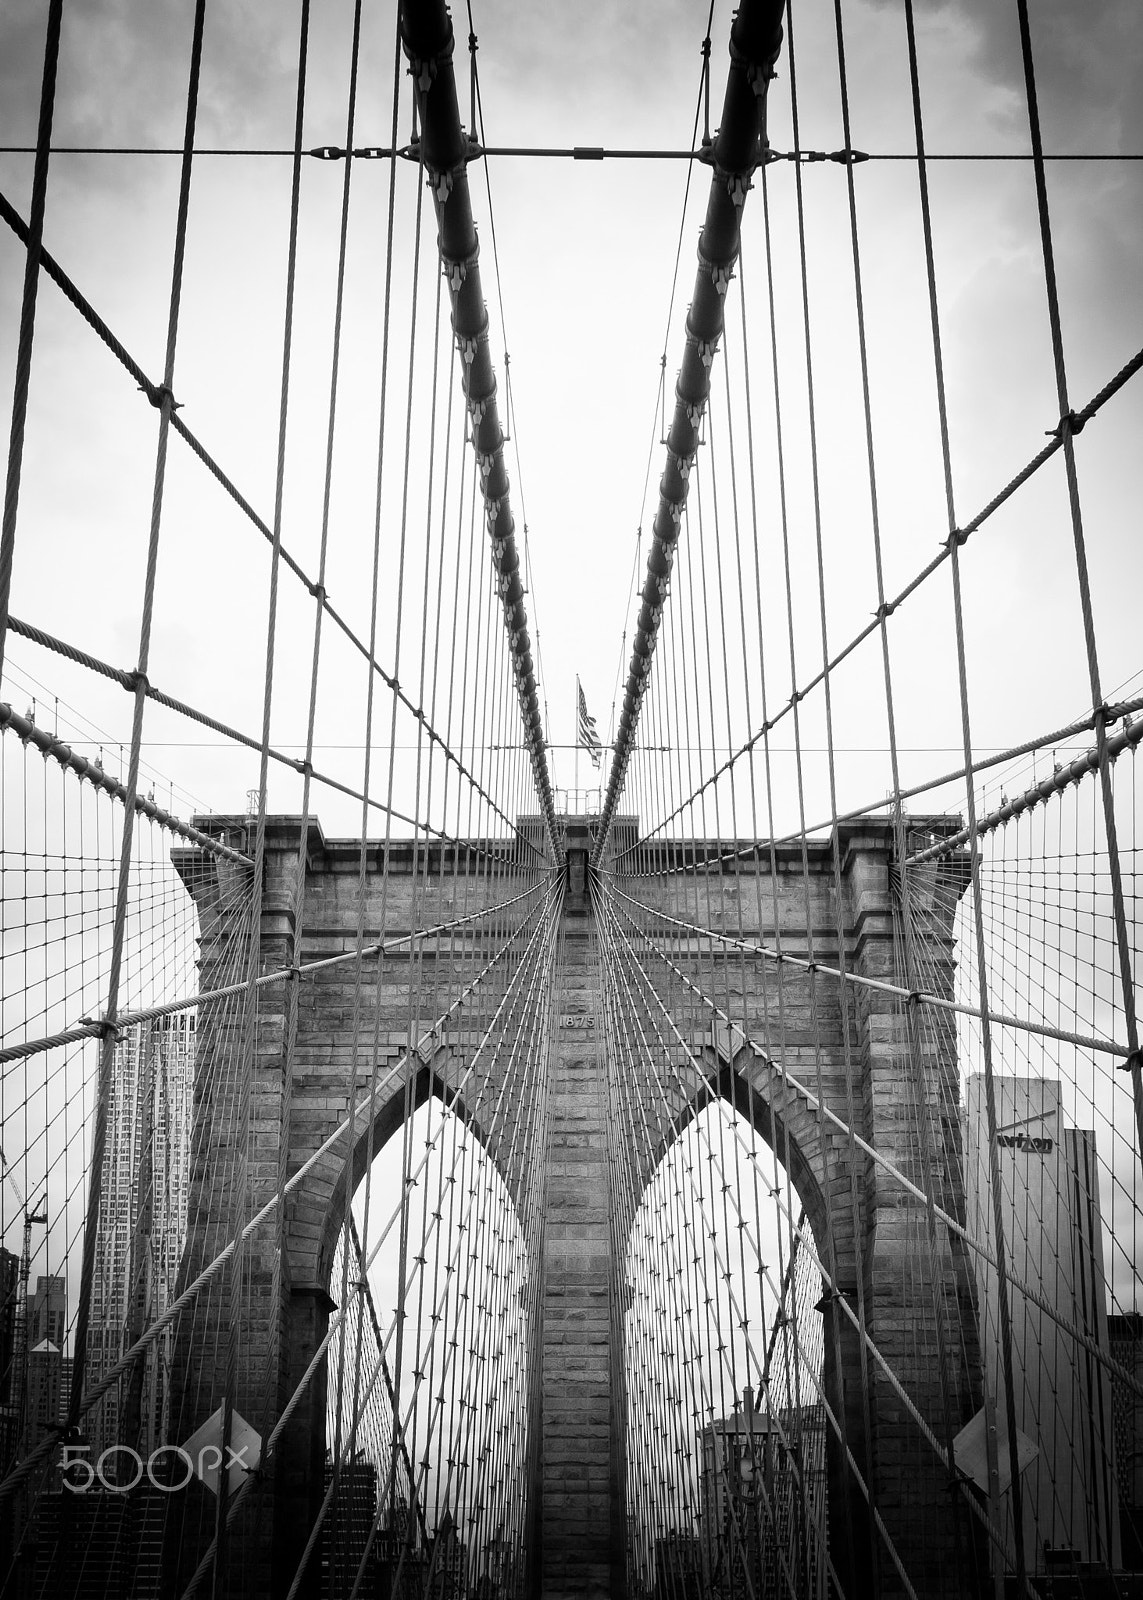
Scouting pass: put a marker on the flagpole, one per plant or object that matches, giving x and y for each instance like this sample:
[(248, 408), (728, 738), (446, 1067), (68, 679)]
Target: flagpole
[(576, 725)]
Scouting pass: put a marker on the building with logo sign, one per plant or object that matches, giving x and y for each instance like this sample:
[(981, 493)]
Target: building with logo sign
[(1049, 1204)]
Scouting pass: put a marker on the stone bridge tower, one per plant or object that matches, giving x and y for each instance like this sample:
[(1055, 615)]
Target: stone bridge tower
[(576, 1490)]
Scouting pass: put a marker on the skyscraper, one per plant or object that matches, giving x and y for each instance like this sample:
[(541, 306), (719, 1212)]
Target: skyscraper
[(45, 1371), (1049, 1204), (47, 1312), (9, 1294), (11, 1355), (142, 1227), (1125, 1335)]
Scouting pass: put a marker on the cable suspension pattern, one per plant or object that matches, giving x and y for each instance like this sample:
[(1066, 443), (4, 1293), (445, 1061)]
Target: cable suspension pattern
[(723, 1182), (427, 36), (737, 151)]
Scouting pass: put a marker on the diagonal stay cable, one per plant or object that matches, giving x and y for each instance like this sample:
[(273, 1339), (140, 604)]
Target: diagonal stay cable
[(91, 1398), (90, 1030), (1030, 1293), (27, 328), (427, 39), (1063, 777), (755, 39), (879, 985), (128, 681), (1055, 443), (154, 393), (27, 732), (340, 1315)]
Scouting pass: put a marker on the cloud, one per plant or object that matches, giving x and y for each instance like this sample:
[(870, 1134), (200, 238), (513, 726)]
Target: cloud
[(123, 73), (1087, 64)]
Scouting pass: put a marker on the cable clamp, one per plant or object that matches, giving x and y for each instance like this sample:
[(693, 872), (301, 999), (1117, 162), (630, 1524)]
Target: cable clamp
[(1133, 1062), (319, 592), (683, 464), (885, 609), (1068, 423), (758, 73), (957, 537), (706, 351), (327, 152), (456, 268), (719, 273), (104, 1029), (137, 680), (157, 393)]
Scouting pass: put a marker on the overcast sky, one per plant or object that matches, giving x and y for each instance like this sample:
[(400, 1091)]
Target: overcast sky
[(586, 256)]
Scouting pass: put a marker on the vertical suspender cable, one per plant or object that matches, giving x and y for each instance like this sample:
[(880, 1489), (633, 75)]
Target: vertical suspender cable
[(1068, 428), (28, 315), (165, 400), (246, 1063), (427, 36), (755, 39)]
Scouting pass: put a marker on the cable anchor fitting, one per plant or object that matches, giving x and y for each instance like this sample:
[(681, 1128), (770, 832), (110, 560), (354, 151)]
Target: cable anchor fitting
[(456, 268), (738, 186), (327, 152), (423, 73), (440, 182)]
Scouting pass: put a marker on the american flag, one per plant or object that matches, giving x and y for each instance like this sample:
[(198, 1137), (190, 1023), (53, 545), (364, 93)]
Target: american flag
[(585, 730)]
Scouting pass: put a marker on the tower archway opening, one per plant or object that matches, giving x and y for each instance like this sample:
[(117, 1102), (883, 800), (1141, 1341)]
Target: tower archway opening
[(723, 1370), (428, 1430)]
